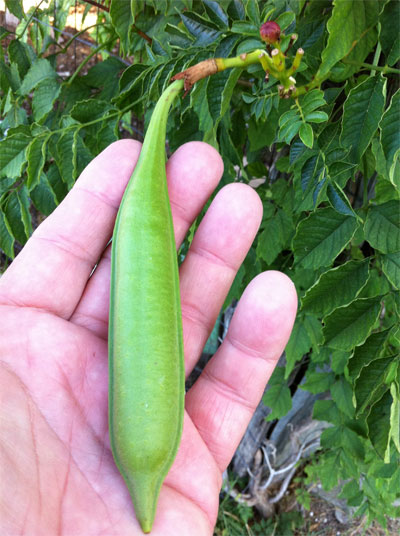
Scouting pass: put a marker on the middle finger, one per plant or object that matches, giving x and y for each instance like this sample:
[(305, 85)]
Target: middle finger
[(218, 249)]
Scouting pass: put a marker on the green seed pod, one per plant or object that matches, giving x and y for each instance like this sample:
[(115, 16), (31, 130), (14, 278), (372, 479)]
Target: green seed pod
[(146, 364)]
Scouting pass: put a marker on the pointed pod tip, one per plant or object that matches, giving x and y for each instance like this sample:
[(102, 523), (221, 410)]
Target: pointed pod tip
[(146, 526)]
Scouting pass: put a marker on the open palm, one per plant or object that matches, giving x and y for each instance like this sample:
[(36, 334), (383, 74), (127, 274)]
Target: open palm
[(58, 474)]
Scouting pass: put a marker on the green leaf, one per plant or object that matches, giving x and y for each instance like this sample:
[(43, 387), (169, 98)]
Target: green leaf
[(12, 154), (39, 71), (382, 227), (370, 385), (351, 493), (166, 74), (16, 8), (361, 47), (5, 185), (349, 326), (390, 132), (317, 382), (65, 157), (53, 176), (319, 190), (178, 38), (219, 92), (80, 153), (236, 10), (311, 170), (105, 135), (44, 97), (216, 13), (277, 396), (73, 156), (6, 236), (367, 352), (243, 27), (338, 199), (137, 6), (298, 345), (312, 100), (90, 109), (199, 103), (391, 268), (36, 156), (316, 117), (389, 36), (321, 237), (248, 45), (362, 112), (288, 117), (101, 73), (228, 148), (130, 85), (336, 288), (274, 237), (289, 130), (13, 211), (10, 77), (380, 160), (26, 217), (341, 436), (326, 410), (350, 21), (385, 191), (306, 135), (378, 422), (4, 32), (285, 19), (43, 196), (261, 134), (339, 360), (299, 154), (314, 329), (342, 395), (253, 11), (121, 16), (328, 469), (377, 285), (204, 30), (19, 54)]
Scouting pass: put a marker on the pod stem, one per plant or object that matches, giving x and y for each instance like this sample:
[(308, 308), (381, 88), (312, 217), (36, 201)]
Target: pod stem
[(155, 135)]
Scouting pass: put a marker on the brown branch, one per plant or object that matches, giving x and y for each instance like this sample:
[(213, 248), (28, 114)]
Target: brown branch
[(142, 34), (96, 4), (196, 72)]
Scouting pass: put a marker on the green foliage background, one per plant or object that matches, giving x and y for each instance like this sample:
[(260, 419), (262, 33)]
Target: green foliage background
[(330, 189)]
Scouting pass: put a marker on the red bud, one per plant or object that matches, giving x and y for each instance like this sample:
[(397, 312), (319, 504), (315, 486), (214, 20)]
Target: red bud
[(270, 32)]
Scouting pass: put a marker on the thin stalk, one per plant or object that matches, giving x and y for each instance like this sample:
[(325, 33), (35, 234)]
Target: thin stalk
[(85, 61), (376, 57), (30, 19), (308, 87), (243, 60), (385, 69), (72, 39), (99, 119), (300, 110)]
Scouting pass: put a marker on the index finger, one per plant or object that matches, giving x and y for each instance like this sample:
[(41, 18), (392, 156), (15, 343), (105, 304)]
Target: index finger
[(53, 268)]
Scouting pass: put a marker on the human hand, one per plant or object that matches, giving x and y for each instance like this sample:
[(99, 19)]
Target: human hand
[(58, 474)]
